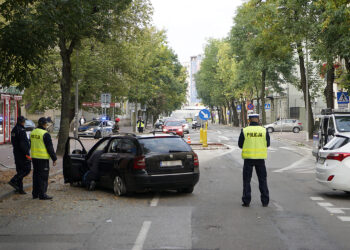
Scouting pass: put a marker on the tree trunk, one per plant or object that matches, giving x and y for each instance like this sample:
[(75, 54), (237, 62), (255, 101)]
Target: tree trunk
[(303, 87), (66, 85), (347, 64), (257, 99), (262, 96), (235, 119), (328, 92), (244, 114)]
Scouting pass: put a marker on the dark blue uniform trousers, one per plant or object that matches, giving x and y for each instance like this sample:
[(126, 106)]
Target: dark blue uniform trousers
[(260, 169), (23, 167), (40, 177)]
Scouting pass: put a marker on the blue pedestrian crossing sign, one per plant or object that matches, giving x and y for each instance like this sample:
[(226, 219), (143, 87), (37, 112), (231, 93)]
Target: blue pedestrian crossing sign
[(267, 105), (342, 97), (204, 114), (239, 107)]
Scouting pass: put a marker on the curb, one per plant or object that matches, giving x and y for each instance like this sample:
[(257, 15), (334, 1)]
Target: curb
[(294, 142), (8, 194)]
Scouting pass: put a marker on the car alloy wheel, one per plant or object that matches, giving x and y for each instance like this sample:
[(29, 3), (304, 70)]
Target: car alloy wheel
[(296, 130), (119, 186), (270, 130)]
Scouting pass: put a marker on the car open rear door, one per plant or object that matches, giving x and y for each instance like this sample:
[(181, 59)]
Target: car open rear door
[(74, 161)]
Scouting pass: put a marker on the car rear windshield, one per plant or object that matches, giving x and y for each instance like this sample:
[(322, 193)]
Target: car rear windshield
[(164, 145), (336, 142), (343, 123)]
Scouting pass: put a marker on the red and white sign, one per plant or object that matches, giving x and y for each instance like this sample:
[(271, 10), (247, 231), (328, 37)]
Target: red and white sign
[(98, 104), (17, 97), (5, 97)]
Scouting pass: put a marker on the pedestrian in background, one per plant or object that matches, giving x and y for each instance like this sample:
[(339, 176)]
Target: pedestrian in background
[(140, 125), (82, 120), (254, 141), (41, 151), (21, 149)]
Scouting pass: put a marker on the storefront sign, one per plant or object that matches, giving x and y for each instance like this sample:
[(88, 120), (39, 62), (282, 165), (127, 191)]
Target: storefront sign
[(5, 97), (17, 97)]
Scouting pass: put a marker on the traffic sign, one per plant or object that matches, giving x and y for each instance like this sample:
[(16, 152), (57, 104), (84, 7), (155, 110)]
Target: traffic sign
[(106, 98), (204, 114), (239, 108), (250, 106), (267, 106), (342, 97)]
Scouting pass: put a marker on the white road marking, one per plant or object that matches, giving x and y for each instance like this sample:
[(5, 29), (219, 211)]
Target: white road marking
[(155, 200), (278, 207), (335, 210), (325, 204), (288, 148), (223, 137), (344, 218), (219, 132), (317, 198), (142, 235), (294, 165)]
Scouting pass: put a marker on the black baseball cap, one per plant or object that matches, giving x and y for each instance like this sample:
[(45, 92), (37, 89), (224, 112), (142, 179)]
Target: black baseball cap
[(21, 119)]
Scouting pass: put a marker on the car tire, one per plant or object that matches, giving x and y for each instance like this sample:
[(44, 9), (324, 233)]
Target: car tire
[(270, 130), (97, 135), (188, 190), (119, 186), (296, 130)]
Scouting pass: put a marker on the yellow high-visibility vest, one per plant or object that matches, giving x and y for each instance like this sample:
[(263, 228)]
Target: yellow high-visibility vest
[(140, 124), (37, 145), (255, 144)]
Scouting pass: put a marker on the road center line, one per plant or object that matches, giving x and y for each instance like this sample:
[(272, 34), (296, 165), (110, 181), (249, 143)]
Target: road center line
[(325, 204), (224, 137), (142, 235), (155, 200)]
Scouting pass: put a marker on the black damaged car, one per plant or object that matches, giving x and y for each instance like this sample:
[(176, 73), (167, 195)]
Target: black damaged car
[(129, 163)]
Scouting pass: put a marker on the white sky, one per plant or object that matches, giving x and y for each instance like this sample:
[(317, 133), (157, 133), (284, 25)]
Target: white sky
[(189, 23)]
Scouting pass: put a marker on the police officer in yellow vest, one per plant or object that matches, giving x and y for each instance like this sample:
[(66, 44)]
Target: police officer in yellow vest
[(41, 152), (140, 125), (254, 141)]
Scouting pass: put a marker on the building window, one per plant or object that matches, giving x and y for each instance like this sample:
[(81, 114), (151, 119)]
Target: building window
[(294, 112)]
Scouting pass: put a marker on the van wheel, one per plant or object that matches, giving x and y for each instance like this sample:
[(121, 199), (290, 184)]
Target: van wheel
[(270, 130), (119, 186), (296, 130)]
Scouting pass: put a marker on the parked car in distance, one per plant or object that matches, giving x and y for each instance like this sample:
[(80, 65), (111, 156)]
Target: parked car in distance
[(29, 125), (173, 127), (159, 123), (185, 126), (285, 125), (129, 163), (96, 129), (333, 164)]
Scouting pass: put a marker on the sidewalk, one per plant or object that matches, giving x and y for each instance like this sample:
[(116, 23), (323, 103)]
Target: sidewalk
[(8, 167), (294, 138)]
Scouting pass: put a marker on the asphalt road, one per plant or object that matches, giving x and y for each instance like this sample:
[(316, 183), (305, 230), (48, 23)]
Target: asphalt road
[(301, 215)]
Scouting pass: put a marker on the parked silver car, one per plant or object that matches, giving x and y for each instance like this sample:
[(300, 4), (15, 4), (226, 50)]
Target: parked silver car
[(285, 125)]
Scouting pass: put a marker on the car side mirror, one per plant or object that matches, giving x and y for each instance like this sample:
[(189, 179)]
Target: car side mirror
[(331, 131), (77, 152)]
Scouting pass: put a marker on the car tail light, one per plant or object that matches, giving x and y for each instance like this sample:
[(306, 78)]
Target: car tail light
[(139, 162), (195, 160), (338, 156), (330, 178), (299, 123)]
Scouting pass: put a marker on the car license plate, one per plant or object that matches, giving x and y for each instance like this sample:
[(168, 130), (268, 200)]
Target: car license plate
[(170, 163)]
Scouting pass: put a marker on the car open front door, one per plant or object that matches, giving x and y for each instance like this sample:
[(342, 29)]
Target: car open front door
[(74, 161)]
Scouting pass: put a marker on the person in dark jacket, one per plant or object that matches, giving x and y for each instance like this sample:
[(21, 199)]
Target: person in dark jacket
[(254, 141), (21, 149), (41, 152)]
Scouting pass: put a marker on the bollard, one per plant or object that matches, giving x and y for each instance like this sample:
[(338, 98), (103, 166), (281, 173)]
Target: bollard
[(205, 138), (201, 135)]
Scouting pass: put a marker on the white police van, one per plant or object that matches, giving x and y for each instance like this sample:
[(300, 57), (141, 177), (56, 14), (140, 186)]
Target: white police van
[(329, 124)]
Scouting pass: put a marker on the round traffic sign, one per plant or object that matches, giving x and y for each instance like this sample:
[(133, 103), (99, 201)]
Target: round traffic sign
[(250, 106), (204, 114)]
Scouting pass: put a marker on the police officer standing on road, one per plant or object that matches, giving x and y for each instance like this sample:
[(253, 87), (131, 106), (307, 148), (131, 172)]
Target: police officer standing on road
[(140, 125), (254, 141), (21, 148), (41, 150)]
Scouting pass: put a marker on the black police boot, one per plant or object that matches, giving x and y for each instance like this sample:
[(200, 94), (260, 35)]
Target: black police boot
[(245, 205), (46, 197), (21, 191)]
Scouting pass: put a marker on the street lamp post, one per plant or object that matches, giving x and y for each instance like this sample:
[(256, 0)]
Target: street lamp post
[(307, 92), (76, 100)]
